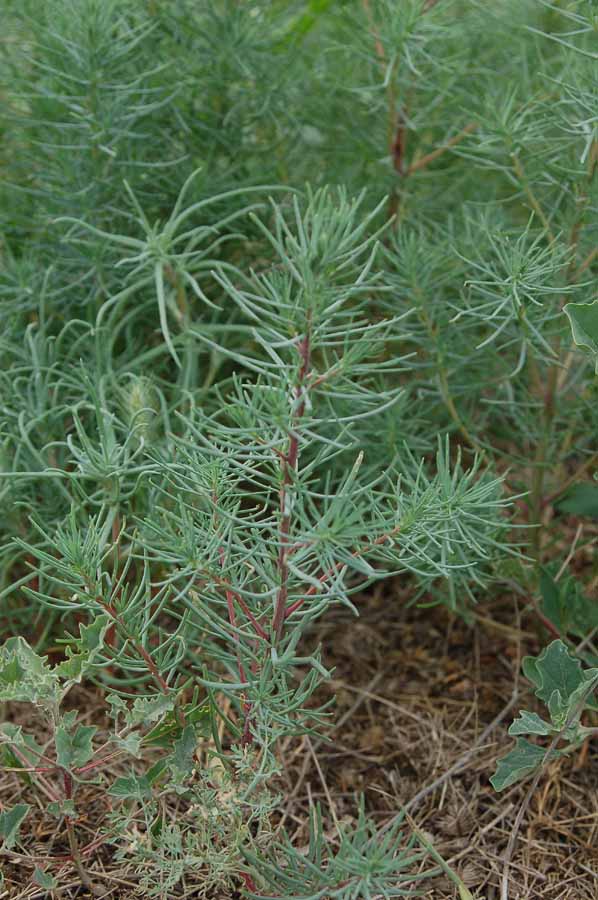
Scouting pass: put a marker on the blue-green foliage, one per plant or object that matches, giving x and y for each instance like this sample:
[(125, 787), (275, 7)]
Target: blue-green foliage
[(281, 292)]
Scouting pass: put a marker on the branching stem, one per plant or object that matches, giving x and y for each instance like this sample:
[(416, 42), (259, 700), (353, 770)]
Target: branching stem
[(289, 464), (424, 161), (533, 200), (359, 552), (145, 655)]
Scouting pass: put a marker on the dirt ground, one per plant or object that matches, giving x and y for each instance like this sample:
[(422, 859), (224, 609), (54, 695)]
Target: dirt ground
[(421, 694)]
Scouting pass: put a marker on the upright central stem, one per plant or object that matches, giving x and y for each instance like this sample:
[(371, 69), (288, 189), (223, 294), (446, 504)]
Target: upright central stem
[(288, 471), (72, 839)]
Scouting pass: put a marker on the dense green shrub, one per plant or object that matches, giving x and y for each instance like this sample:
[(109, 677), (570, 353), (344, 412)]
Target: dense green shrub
[(256, 258)]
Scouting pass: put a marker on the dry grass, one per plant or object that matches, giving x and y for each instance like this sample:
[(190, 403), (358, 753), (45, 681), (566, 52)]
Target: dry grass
[(418, 696)]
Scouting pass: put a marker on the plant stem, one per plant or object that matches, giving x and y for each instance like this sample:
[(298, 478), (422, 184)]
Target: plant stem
[(443, 377), (539, 463), (144, 654), (230, 604), (452, 409), (110, 610), (397, 132), (72, 839), (424, 161), (45, 787), (587, 262), (533, 200), (288, 472), (360, 551)]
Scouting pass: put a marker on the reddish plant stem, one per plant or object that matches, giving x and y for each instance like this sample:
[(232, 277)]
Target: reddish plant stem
[(231, 596), (248, 882), (247, 736), (398, 150), (424, 161), (152, 667), (377, 42), (397, 124), (230, 604), (47, 789), (397, 132), (72, 837), (93, 845), (329, 572), (116, 528), (587, 262), (97, 763), (145, 655), (68, 784), (80, 770), (288, 473), (228, 588), (399, 145), (256, 625), (111, 610), (550, 626), (117, 621)]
